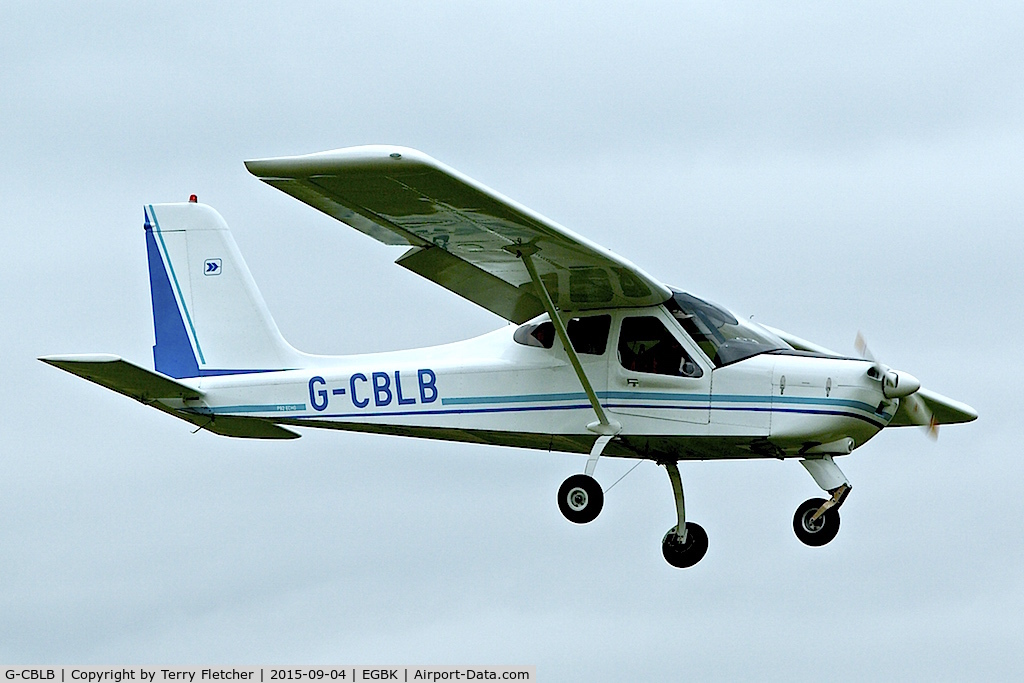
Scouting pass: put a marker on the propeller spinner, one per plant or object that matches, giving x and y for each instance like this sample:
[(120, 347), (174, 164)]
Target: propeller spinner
[(901, 385)]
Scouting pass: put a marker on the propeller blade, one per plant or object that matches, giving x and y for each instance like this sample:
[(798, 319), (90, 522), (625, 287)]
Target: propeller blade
[(920, 415), (915, 405), (862, 348)]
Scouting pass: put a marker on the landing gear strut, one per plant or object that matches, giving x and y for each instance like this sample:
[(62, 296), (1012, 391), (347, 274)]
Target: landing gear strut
[(816, 521), (685, 551), (580, 497), (684, 548)]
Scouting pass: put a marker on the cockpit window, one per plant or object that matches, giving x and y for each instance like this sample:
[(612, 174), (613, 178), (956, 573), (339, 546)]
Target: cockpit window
[(646, 346), (721, 335), (588, 334)]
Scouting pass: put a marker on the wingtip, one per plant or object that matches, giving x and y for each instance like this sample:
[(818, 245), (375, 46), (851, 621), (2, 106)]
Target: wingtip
[(967, 413), (79, 358), (351, 157)]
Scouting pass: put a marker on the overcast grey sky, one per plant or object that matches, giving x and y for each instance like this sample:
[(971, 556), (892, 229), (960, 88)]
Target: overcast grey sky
[(826, 167)]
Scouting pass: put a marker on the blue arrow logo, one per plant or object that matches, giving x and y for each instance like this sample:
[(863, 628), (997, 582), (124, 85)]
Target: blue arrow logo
[(212, 267)]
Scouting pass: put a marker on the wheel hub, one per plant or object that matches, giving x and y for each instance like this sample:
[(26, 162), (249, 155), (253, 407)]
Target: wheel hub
[(813, 525), (578, 499)]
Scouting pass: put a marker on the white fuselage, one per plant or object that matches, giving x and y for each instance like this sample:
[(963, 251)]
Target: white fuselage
[(491, 389)]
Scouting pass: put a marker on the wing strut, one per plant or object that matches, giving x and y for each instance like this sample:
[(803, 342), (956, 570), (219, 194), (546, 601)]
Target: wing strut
[(604, 426)]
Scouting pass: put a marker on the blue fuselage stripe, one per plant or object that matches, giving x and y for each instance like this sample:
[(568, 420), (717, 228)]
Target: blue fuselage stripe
[(299, 407), (704, 399)]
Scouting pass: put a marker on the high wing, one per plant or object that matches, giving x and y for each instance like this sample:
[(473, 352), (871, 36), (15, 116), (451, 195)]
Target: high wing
[(462, 234)]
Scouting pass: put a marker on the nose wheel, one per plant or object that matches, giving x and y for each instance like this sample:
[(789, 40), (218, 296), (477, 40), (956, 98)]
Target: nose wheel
[(816, 521), (580, 498), (815, 529)]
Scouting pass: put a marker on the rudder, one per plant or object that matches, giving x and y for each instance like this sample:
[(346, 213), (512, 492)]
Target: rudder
[(208, 315)]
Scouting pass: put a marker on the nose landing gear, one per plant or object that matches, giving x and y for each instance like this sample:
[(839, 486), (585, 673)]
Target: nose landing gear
[(816, 521), (813, 531)]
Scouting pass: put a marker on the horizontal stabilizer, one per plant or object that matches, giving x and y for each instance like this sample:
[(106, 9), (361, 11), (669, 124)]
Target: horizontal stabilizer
[(245, 427), (150, 388), (114, 372), (944, 410)]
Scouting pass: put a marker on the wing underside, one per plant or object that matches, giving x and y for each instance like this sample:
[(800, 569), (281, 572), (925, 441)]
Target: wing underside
[(461, 234)]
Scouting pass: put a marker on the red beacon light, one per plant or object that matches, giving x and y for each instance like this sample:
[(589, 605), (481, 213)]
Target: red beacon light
[(192, 199)]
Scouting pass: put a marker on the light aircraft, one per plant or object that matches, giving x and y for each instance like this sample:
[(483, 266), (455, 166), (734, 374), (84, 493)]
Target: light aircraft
[(602, 359)]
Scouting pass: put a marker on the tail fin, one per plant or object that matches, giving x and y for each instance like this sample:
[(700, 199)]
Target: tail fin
[(208, 315)]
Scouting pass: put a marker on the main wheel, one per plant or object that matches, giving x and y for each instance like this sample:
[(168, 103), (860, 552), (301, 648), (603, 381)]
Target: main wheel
[(580, 498), (683, 554), (820, 531)]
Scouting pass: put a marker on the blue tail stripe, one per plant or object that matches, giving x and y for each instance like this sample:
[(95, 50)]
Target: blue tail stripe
[(177, 287), (172, 353)]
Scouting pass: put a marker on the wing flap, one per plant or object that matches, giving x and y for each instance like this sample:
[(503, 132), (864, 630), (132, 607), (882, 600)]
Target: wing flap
[(401, 196), (517, 304)]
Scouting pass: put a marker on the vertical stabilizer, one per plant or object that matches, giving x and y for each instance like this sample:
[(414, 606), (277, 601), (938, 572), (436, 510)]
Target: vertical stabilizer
[(208, 315)]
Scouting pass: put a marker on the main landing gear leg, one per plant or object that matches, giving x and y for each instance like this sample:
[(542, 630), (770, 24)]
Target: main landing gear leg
[(816, 521), (686, 543), (580, 497)]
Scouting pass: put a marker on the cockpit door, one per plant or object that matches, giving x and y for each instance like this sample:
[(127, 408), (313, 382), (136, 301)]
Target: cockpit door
[(656, 372)]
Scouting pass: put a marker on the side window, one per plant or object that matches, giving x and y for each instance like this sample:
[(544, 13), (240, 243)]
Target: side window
[(539, 334), (646, 346), (588, 335)]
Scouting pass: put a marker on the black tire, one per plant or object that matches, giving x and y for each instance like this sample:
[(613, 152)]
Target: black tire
[(690, 551), (819, 532), (580, 498)]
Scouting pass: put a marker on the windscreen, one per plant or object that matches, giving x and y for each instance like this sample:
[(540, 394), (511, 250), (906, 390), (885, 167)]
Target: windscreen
[(723, 337)]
